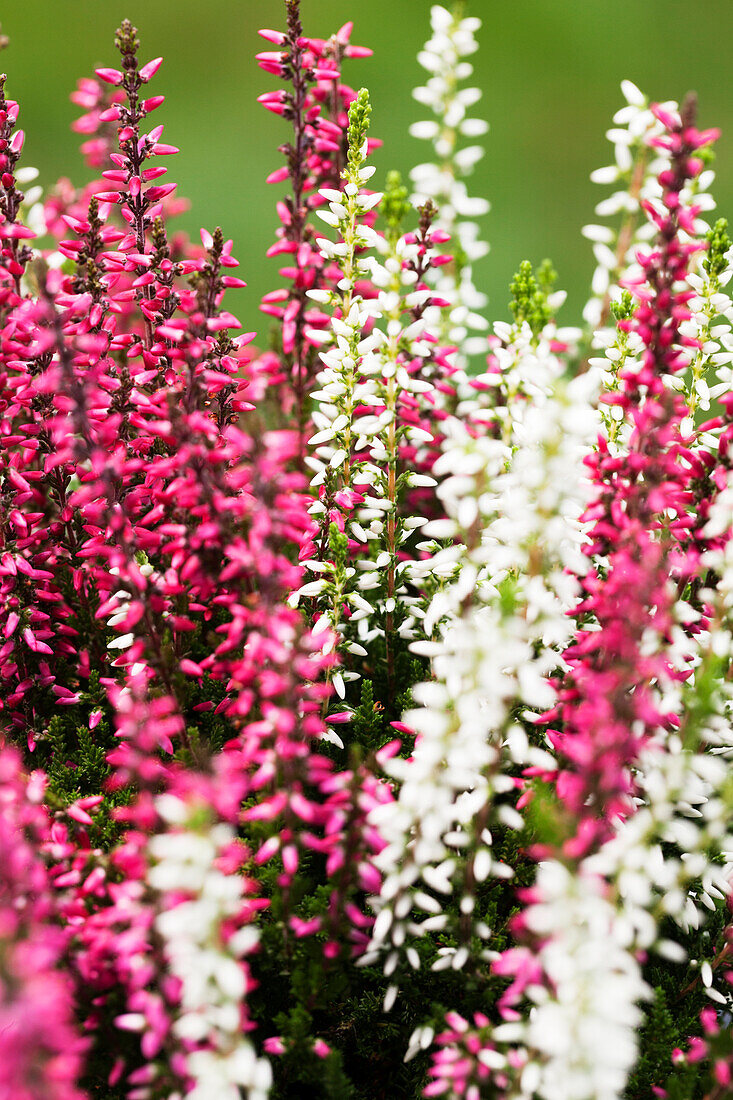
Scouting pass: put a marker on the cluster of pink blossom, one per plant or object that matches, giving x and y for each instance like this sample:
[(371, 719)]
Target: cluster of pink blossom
[(227, 578)]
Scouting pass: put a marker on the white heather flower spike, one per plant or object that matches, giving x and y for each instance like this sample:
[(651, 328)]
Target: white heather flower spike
[(710, 325), (342, 388), (513, 506), (583, 1029), (397, 344), (634, 174), (443, 57), (663, 861), (208, 965)]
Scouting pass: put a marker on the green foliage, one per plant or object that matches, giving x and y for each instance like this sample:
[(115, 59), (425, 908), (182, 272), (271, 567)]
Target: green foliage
[(530, 295), (623, 309), (674, 1014), (544, 816), (719, 243), (126, 39), (359, 113), (395, 206)]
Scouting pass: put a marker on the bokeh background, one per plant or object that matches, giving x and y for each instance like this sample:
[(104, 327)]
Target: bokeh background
[(549, 70)]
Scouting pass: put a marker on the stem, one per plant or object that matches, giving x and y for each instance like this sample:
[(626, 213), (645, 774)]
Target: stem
[(296, 230), (391, 528), (127, 44)]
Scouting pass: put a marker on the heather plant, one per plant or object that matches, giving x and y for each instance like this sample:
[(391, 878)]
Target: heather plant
[(365, 706)]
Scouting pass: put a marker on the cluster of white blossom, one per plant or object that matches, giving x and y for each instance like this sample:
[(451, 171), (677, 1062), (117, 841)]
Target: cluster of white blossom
[(675, 838), (213, 981), (443, 57), (396, 341), (671, 858), (513, 513), (342, 389), (720, 523), (710, 324), (360, 423), (594, 922), (634, 173), (121, 609), (582, 1031), (523, 373), (621, 350)]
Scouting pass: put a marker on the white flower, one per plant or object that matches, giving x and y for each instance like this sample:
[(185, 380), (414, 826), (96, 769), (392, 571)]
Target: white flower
[(213, 983), (452, 40)]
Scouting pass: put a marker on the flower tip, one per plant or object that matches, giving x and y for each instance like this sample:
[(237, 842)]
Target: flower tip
[(110, 76), (343, 34), (150, 69), (273, 36)]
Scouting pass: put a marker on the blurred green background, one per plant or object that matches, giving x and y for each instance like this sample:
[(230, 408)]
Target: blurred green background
[(549, 70)]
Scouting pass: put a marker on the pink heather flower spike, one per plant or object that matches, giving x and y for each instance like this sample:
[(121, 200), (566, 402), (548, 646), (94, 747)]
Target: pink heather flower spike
[(315, 103), (603, 726)]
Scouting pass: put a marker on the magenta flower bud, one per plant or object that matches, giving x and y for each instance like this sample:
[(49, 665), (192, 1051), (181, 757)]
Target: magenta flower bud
[(271, 67), (160, 192), (277, 37), (274, 1044), (150, 69), (278, 176), (17, 141), (78, 814), (152, 104), (273, 101), (17, 232), (153, 173), (190, 667), (110, 76), (341, 718)]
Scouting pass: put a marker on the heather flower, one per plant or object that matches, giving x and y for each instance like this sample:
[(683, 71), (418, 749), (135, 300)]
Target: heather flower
[(198, 902), (634, 173), (342, 389), (316, 105), (624, 649), (443, 58), (566, 1051), (497, 630), (711, 310), (41, 1051)]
